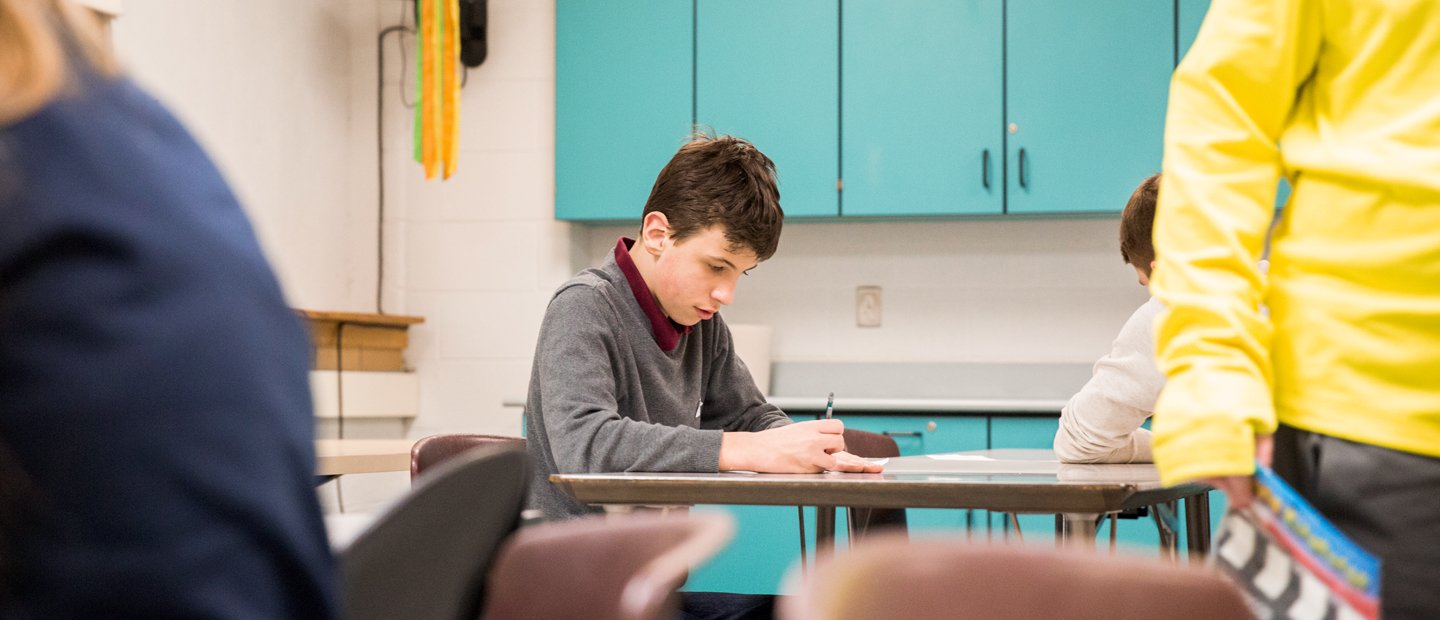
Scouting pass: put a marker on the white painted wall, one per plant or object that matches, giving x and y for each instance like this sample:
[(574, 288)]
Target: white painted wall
[(274, 90), (985, 291), (482, 250)]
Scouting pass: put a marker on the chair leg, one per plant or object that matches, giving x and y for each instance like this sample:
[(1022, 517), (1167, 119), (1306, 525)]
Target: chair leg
[(850, 526), (801, 511), (1015, 523), (1166, 521)]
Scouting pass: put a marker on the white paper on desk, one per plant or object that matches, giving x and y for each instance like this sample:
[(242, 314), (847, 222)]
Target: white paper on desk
[(929, 464), (959, 457)]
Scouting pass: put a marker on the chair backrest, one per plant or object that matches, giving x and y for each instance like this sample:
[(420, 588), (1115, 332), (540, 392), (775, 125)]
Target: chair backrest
[(602, 568), (436, 449), (427, 556), (890, 577), (873, 445)]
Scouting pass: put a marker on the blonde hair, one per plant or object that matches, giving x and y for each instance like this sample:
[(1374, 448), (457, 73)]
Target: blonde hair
[(35, 40)]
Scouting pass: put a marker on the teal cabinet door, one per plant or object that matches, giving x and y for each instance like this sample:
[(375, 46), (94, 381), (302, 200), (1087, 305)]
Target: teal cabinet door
[(623, 102), (1024, 432), (1087, 84), (766, 545), (921, 117), (1188, 17), (768, 72), (929, 435)]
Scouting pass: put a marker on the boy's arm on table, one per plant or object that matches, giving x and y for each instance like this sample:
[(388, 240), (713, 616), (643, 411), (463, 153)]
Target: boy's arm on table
[(1101, 423), (760, 437), (803, 447)]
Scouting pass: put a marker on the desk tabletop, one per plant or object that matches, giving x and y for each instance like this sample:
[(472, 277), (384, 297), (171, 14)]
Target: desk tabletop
[(334, 457), (1023, 481)]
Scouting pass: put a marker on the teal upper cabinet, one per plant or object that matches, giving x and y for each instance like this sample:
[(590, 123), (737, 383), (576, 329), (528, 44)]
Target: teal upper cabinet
[(921, 117), (623, 101), (913, 107), (768, 72), (1087, 84), (1187, 21)]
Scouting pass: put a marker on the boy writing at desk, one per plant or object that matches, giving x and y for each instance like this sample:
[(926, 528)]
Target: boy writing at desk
[(635, 369)]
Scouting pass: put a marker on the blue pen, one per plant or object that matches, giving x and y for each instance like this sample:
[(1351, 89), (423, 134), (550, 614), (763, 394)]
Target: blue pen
[(830, 406)]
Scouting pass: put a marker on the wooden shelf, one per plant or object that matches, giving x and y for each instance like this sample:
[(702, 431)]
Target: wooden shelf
[(362, 318), (359, 341)]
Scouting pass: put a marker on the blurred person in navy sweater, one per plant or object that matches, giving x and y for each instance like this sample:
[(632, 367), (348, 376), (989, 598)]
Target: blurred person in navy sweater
[(156, 438)]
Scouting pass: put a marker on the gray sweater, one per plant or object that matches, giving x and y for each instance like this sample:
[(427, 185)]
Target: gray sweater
[(604, 397)]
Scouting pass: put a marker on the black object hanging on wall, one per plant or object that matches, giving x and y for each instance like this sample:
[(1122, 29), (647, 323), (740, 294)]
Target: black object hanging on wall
[(472, 32)]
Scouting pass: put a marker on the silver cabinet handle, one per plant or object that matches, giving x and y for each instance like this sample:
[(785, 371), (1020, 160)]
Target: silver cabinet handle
[(985, 168), (1022, 167)]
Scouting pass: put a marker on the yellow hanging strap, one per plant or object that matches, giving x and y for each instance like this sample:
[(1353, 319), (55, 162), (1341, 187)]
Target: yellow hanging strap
[(437, 118), (450, 132)]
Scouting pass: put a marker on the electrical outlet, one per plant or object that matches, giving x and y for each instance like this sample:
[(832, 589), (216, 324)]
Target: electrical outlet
[(867, 306)]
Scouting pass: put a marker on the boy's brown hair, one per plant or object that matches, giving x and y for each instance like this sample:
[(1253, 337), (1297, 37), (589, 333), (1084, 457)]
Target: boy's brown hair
[(721, 180), (1136, 246)]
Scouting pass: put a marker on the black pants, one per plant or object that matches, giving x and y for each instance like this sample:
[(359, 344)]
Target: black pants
[(1388, 501), (726, 606)]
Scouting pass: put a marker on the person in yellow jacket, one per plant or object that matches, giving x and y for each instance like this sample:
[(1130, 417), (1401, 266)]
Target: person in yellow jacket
[(1343, 377)]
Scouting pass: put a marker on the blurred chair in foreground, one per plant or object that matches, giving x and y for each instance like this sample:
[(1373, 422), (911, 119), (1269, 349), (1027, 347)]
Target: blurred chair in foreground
[(435, 449), (602, 568), (891, 577), (427, 556)]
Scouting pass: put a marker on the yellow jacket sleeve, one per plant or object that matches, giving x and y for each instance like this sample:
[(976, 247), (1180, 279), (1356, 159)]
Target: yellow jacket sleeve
[(1229, 102)]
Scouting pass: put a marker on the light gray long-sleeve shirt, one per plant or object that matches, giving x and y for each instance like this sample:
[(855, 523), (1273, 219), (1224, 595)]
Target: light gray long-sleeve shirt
[(1101, 423), (604, 397)]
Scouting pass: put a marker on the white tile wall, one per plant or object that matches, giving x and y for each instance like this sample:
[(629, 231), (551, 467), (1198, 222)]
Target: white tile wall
[(1000, 291), (483, 251), (275, 91)]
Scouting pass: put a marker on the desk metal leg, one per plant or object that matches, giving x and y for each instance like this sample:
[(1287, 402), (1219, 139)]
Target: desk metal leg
[(824, 531), (1078, 529), (1197, 525), (1167, 522)]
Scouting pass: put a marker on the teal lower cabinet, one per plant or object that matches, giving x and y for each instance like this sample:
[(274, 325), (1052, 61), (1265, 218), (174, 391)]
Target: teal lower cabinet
[(767, 538), (928, 435), (766, 545), (1024, 432)]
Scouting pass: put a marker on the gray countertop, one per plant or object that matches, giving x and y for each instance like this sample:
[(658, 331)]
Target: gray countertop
[(922, 388), (804, 404), (801, 404)]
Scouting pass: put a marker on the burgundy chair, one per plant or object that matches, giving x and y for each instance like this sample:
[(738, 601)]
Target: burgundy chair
[(435, 449), (427, 556), (602, 568), (891, 577)]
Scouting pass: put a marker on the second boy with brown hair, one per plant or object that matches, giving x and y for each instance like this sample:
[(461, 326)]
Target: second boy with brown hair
[(1102, 422)]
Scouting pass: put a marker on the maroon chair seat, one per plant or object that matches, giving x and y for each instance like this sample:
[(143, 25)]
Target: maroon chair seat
[(436, 449)]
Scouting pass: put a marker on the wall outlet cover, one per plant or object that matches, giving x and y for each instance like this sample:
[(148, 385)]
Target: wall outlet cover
[(867, 306)]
